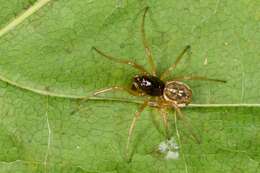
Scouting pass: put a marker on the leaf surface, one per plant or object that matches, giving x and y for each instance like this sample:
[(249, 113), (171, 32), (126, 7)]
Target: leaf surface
[(46, 61)]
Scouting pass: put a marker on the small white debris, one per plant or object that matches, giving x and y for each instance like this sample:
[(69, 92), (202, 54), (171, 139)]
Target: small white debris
[(173, 144), (169, 149), (172, 155), (163, 147)]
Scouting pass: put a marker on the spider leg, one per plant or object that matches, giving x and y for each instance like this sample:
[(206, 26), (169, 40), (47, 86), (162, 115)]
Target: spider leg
[(198, 78), (187, 124), (106, 90), (117, 88), (166, 73), (165, 122), (146, 45), (132, 126), (179, 139), (128, 62)]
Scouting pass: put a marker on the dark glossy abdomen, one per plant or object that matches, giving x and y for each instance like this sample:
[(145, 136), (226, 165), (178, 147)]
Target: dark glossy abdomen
[(150, 85)]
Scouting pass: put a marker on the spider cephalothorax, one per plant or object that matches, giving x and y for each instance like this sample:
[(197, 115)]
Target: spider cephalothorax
[(148, 84)]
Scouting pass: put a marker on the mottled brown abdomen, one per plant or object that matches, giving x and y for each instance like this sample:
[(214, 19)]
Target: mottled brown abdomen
[(177, 93)]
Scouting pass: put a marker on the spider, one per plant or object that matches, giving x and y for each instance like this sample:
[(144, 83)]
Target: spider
[(157, 92)]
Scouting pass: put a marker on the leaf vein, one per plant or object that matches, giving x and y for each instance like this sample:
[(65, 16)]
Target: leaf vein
[(20, 18)]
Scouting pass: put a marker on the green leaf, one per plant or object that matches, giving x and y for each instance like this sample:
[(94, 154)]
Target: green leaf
[(46, 63)]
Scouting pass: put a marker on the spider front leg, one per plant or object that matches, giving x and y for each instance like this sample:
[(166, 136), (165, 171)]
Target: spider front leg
[(107, 90), (146, 45), (117, 88), (166, 73), (127, 62)]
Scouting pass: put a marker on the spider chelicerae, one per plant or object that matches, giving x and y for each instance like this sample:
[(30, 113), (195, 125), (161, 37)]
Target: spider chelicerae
[(157, 92)]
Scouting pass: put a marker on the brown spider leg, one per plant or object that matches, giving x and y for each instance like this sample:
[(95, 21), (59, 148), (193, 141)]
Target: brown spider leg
[(198, 78), (179, 140), (146, 45), (165, 122), (128, 62), (117, 88), (166, 73), (105, 90), (132, 126), (187, 124)]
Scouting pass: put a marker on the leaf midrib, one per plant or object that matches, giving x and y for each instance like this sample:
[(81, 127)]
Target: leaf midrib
[(92, 98)]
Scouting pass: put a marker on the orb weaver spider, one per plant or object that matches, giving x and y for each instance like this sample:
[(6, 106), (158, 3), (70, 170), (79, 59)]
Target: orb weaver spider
[(158, 93)]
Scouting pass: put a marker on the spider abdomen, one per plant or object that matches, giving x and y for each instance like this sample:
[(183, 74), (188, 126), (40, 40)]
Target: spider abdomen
[(177, 92), (148, 84)]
